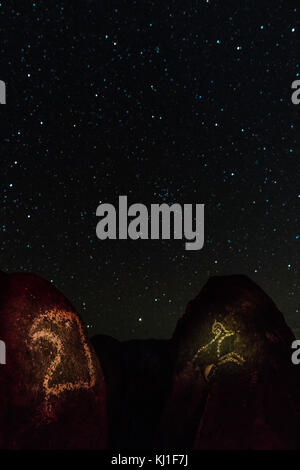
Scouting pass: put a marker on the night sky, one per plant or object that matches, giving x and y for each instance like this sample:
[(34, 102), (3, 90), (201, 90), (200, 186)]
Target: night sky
[(177, 101)]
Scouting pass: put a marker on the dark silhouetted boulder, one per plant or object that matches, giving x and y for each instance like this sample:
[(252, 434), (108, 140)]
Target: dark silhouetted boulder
[(138, 375), (235, 386), (52, 390)]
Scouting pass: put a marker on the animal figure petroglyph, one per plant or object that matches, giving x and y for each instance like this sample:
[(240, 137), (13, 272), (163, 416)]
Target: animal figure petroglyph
[(220, 333)]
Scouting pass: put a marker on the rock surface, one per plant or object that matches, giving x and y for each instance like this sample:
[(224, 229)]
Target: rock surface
[(52, 390), (235, 386), (225, 380)]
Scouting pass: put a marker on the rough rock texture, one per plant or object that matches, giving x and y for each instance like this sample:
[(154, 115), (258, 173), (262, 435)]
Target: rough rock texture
[(235, 386), (224, 381), (52, 391)]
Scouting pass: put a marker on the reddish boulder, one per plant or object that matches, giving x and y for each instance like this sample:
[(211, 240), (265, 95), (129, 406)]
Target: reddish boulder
[(235, 386), (52, 390)]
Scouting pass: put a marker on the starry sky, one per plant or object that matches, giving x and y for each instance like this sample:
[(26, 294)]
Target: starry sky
[(178, 101)]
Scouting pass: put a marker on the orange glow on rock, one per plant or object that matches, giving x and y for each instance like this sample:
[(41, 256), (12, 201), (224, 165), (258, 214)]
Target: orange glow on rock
[(42, 330)]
